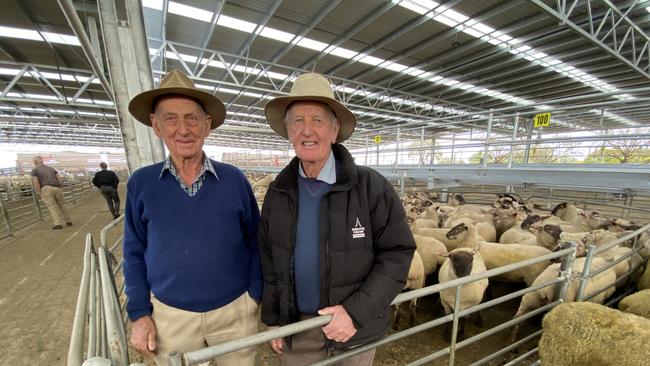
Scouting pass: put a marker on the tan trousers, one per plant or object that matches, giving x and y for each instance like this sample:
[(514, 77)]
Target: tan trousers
[(310, 346), (53, 199), (184, 331)]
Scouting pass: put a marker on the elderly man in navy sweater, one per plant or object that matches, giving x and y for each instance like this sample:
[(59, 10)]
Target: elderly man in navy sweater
[(191, 263)]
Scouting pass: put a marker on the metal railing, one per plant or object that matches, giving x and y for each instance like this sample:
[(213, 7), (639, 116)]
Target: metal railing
[(567, 255), (20, 209), (98, 305)]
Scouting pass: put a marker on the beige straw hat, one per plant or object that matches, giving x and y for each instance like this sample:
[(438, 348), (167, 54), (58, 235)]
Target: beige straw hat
[(314, 87), (175, 82)]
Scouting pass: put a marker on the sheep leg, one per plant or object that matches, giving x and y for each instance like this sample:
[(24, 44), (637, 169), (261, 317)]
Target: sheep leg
[(413, 306), (396, 316), (478, 320)]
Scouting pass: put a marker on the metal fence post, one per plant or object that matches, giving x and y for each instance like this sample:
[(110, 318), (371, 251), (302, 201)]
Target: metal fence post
[(566, 270), (454, 331), (38, 206), (5, 214), (585, 272), (174, 359)]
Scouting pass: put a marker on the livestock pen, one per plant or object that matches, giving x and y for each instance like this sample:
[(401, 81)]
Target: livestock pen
[(422, 343)]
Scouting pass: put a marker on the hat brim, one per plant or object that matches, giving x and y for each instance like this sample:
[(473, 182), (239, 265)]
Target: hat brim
[(276, 109), (141, 106)]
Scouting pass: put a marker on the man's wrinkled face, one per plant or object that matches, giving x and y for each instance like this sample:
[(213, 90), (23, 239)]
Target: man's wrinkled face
[(182, 124), (312, 128)]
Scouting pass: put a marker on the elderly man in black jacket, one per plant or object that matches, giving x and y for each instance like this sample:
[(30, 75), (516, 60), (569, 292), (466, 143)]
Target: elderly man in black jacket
[(107, 181), (333, 235)]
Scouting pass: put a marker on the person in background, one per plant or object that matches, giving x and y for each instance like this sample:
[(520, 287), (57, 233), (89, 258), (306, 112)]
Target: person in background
[(333, 235), (47, 184), (191, 263), (107, 181)]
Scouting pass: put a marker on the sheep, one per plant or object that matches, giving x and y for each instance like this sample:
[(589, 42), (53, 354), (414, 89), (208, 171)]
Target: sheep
[(505, 220), (485, 229), (545, 295), (414, 281), (462, 262), (522, 233), (499, 255), (548, 236), (565, 211), (423, 224), (437, 233), (644, 282), (264, 182), (431, 251), (439, 214), (585, 334), (637, 304)]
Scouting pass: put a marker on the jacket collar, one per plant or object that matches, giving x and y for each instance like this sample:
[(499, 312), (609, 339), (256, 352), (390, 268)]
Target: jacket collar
[(346, 176)]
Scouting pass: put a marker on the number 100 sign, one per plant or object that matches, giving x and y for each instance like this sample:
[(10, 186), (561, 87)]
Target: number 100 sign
[(542, 119)]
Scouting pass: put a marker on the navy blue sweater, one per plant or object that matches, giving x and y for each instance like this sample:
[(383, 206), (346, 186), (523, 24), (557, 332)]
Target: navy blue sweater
[(194, 253)]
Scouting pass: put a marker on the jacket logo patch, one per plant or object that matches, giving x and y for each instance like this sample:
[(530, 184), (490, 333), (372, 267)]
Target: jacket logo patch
[(358, 231)]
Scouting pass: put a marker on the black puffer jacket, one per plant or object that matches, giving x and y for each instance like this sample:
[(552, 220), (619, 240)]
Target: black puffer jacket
[(366, 247)]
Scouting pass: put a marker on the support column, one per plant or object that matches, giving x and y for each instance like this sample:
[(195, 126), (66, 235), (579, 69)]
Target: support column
[(529, 137), (487, 141), (514, 138), (130, 70), (397, 148)]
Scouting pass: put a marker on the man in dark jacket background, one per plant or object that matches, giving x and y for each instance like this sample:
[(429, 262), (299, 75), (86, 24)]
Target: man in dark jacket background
[(333, 235), (107, 181)]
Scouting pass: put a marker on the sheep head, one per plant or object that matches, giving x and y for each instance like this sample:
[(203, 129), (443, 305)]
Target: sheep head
[(462, 261), (529, 221), (457, 231), (558, 207)]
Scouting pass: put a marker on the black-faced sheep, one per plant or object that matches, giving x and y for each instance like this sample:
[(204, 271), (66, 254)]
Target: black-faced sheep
[(462, 262)]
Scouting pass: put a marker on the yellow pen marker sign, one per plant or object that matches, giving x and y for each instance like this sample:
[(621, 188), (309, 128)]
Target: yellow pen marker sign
[(542, 119), (378, 139)]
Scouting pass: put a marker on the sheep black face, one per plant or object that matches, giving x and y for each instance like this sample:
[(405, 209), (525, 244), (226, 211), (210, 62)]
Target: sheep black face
[(580, 249), (461, 262), (553, 230), (530, 220), (456, 231), (559, 207)]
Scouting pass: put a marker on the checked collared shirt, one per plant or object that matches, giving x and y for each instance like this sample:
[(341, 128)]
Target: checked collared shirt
[(198, 182)]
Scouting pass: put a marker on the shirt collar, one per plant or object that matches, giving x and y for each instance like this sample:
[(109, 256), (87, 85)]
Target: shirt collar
[(206, 167), (327, 174)]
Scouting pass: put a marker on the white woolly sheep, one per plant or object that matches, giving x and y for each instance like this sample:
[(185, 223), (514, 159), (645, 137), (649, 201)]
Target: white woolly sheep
[(585, 334), (414, 281), (545, 295), (637, 304), (524, 233), (462, 262), (431, 251), (499, 255)]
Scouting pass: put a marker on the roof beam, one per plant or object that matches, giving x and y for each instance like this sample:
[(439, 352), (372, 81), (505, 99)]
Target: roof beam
[(614, 39)]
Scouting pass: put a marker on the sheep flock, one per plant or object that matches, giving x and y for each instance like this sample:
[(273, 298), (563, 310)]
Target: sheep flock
[(457, 239)]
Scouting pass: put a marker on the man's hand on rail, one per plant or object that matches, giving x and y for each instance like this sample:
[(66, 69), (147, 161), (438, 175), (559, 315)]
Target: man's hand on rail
[(143, 336), (277, 345), (340, 328)]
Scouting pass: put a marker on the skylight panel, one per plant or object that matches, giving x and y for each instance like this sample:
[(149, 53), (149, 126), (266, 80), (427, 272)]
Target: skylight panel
[(342, 52), (312, 44), (472, 32), (20, 33), (395, 67), (456, 16), (445, 20), (234, 23), (192, 12), (61, 38), (371, 60), (276, 34)]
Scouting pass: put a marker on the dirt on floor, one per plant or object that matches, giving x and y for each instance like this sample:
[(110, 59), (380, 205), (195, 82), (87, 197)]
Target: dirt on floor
[(39, 283)]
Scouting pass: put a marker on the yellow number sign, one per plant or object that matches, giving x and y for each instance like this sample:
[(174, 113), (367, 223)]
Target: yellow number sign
[(378, 139), (542, 119)]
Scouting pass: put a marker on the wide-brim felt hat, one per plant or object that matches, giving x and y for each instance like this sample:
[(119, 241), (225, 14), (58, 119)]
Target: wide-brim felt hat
[(309, 87), (177, 83)]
